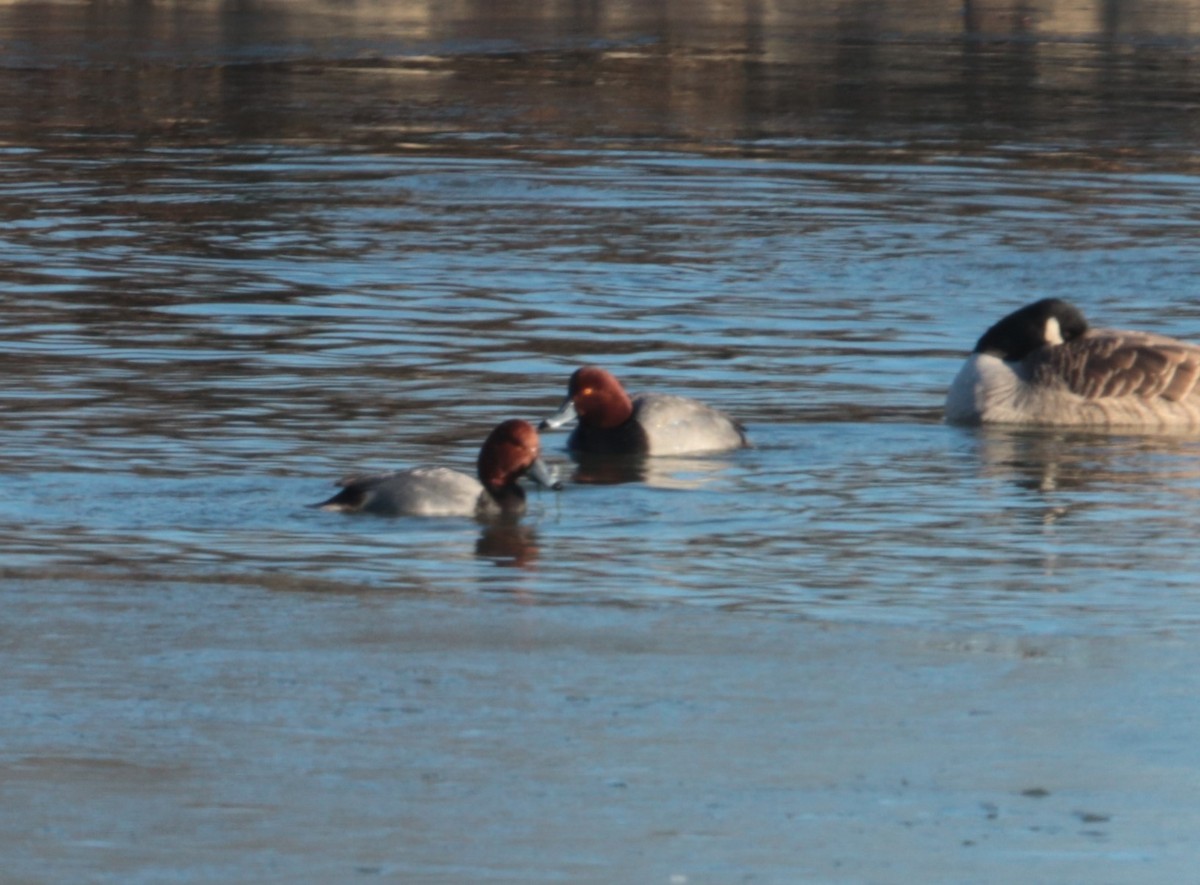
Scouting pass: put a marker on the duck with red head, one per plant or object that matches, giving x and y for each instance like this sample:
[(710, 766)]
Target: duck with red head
[(613, 422), (512, 450), (1043, 365)]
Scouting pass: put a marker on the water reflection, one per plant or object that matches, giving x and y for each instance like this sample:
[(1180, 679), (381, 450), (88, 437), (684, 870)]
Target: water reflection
[(508, 544), (1079, 474), (690, 472), (1056, 460), (398, 76)]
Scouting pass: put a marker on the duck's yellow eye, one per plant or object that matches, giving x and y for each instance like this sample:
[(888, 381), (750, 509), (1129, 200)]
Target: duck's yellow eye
[(587, 391)]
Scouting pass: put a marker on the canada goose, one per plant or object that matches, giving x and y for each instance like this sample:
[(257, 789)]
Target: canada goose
[(1042, 365)]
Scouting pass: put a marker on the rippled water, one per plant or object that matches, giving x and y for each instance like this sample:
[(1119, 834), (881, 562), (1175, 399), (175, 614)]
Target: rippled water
[(199, 340), (245, 252)]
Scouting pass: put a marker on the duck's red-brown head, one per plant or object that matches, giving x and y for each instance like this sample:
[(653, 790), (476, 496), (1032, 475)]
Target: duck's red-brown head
[(596, 398), (511, 451)]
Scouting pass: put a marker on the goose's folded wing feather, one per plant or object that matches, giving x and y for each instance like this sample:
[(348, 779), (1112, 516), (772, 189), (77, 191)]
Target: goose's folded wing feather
[(1114, 364)]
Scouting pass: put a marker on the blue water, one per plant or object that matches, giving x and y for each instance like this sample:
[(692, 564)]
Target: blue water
[(182, 380), (247, 250)]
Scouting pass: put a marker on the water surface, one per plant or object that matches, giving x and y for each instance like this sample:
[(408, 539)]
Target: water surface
[(209, 318), (248, 249)]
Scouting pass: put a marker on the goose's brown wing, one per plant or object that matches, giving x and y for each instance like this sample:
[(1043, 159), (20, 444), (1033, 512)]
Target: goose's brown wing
[(1106, 363)]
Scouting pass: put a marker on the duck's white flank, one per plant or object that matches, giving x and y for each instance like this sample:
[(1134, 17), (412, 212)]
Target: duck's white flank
[(677, 425)]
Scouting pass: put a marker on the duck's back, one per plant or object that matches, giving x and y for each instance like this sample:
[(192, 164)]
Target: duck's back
[(677, 425), (419, 491)]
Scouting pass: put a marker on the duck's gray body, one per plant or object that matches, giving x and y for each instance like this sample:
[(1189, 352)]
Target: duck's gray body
[(419, 491)]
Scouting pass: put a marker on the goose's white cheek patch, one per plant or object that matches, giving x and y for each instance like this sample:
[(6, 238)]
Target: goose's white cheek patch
[(1053, 332)]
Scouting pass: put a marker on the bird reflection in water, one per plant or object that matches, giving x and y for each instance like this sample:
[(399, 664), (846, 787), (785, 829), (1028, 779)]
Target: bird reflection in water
[(508, 544), (684, 472), (1078, 469)]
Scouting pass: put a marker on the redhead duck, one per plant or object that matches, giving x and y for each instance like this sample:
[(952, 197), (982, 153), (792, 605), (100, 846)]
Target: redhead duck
[(510, 451), (611, 422), (1043, 365)]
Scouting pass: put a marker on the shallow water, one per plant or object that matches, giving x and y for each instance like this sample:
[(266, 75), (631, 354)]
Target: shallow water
[(248, 249)]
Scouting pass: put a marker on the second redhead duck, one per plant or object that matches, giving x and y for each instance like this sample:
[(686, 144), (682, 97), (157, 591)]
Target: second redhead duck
[(612, 422), (510, 452)]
